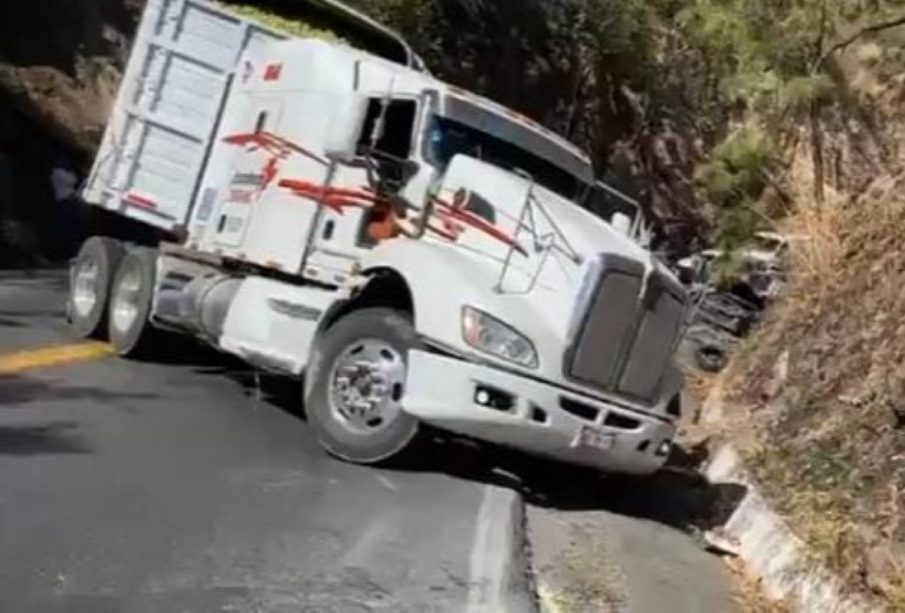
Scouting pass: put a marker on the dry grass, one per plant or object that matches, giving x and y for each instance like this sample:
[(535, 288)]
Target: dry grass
[(820, 383), (815, 259), (699, 384), (748, 593)]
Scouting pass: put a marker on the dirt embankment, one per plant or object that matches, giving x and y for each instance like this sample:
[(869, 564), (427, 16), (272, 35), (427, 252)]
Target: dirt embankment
[(59, 63), (818, 394), (59, 69)]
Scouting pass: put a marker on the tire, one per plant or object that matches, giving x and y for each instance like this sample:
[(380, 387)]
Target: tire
[(382, 339), (90, 279), (131, 294), (711, 358)]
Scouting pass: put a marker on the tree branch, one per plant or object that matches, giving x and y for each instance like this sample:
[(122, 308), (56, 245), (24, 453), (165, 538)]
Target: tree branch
[(877, 27), (821, 35)]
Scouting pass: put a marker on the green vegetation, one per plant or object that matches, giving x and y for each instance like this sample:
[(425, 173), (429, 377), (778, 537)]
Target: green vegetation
[(775, 65), (728, 84), (293, 26)]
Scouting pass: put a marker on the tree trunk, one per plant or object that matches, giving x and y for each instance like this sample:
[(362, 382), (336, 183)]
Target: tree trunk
[(817, 153)]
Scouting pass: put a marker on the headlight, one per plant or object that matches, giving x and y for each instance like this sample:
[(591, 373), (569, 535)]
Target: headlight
[(490, 335)]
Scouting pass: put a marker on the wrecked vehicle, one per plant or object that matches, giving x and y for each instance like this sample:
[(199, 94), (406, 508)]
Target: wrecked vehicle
[(761, 267), (722, 315), (419, 253)]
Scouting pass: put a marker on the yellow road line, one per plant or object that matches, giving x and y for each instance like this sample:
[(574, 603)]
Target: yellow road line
[(12, 363)]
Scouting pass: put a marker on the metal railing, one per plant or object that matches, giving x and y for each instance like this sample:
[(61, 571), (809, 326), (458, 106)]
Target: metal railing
[(545, 243)]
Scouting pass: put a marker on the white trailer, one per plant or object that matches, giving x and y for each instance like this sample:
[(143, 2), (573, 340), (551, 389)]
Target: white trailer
[(417, 253)]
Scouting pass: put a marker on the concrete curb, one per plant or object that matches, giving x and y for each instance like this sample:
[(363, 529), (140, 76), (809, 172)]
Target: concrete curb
[(770, 548), (500, 564)]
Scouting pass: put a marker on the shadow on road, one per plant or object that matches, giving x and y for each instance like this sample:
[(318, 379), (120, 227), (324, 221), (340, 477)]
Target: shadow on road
[(55, 438), (20, 319), (56, 279), (19, 390), (678, 496), (10, 321)]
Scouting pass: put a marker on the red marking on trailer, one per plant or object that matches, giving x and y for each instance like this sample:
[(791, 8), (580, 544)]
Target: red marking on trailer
[(273, 144), (140, 201), (272, 72), (335, 198), (338, 198), (269, 173)]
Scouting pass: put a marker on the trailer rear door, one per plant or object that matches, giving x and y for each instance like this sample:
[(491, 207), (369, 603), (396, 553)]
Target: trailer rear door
[(157, 139)]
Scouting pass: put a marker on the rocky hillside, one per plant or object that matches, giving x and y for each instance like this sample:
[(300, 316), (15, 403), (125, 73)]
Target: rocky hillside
[(59, 63), (814, 399)]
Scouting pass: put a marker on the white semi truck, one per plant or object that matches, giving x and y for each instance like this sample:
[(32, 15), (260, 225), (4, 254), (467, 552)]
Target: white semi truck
[(417, 253)]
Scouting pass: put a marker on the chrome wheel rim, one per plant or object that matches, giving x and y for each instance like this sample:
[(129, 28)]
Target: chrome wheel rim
[(366, 386), (84, 291), (126, 298)]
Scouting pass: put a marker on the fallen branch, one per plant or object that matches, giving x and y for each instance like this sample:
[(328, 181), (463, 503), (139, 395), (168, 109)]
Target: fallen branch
[(877, 27)]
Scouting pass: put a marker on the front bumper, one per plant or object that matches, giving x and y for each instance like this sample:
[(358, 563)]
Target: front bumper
[(505, 408)]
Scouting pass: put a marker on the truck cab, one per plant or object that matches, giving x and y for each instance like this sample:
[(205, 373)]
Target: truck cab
[(417, 253)]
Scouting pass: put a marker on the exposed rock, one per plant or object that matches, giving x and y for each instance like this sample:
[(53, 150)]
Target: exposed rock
[(879, 568), (60, 62), (72, 109)]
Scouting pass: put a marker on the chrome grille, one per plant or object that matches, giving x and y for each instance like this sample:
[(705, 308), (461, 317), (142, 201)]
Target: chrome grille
[(625, 339)]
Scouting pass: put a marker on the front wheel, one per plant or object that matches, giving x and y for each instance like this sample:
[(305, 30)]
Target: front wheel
[(355, 383)]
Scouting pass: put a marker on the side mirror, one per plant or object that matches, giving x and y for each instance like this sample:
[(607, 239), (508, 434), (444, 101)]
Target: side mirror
[(345, 129), (622, 223), (460, 198)]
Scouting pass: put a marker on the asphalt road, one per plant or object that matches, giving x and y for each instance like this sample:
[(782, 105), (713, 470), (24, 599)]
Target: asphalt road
[(193, 486), (129, 486)]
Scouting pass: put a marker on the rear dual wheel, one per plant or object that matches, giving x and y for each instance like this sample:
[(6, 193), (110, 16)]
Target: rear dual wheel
[(110, 294), (129, 327), (90, 280)]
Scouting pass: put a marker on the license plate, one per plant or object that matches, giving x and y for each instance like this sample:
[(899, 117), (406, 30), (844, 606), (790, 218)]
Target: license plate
[(589, 437)]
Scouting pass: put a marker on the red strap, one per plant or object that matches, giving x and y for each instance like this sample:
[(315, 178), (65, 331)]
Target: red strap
[(140, 201)]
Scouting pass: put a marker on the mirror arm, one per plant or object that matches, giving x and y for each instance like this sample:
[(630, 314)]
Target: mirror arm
[(424, 219)]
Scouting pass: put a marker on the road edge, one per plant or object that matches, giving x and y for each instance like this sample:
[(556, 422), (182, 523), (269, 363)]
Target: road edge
[(769, 547), (500, 558)]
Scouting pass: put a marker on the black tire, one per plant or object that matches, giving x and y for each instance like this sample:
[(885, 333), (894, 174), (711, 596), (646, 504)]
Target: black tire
[(104, 254), (380, 325), (711, 358), (134, 337)]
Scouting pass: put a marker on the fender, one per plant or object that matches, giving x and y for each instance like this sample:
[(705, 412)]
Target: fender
[(444, 278), (468, 278)]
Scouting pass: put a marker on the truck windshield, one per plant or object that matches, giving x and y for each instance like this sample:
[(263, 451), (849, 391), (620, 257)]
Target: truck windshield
[(448, 137)]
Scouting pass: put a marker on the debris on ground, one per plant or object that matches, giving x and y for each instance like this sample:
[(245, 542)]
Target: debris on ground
[(633, 550), (720, 543), (748, 593)]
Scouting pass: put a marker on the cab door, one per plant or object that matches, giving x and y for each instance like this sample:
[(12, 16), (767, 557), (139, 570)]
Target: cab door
[(249, 185)]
